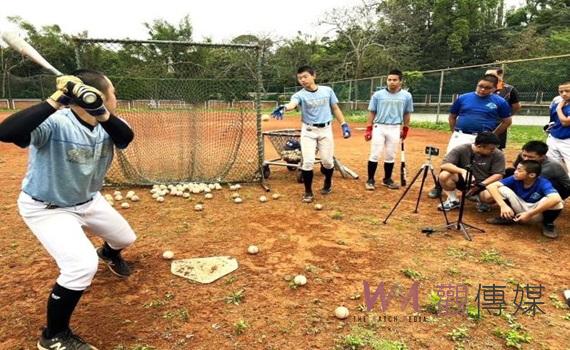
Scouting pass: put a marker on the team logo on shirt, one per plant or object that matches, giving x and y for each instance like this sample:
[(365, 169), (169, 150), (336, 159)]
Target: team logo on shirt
[(317, 102), (535, 196), (491, 105)]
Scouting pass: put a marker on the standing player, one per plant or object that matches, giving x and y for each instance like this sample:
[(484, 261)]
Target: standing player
[(475, 112), (318, 103), (510, 94), (388, 109), (559, 139), (71, 149)]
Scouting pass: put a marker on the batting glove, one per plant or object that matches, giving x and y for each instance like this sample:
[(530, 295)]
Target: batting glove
[(278, 112), (345, 130), (62, 94), (404, 132), (368, 133), (90, 99)]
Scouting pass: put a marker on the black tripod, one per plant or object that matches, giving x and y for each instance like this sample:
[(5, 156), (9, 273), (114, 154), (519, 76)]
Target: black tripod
[(425, 168), (459, 224)]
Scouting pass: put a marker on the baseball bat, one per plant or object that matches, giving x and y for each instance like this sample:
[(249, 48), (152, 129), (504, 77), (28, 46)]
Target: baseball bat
[(27, 50), (403, 172)]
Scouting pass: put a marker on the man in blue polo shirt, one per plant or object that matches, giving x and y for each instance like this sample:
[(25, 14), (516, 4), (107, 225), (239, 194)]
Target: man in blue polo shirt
[(527, 197), (559, 139), (475, 112)]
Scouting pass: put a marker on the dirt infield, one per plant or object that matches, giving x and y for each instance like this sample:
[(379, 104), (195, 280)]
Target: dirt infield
[(337, 248)]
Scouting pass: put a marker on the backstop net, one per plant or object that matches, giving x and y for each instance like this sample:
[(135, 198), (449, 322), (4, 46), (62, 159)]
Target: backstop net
[(194, 109)]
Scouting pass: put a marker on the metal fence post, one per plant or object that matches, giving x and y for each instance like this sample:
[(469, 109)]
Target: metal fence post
[(439, 96)]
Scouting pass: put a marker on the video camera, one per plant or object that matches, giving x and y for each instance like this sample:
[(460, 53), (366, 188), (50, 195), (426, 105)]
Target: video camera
[(432, 151)]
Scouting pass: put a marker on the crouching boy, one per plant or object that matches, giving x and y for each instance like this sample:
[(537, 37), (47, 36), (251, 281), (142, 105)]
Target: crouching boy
[(527, 197)]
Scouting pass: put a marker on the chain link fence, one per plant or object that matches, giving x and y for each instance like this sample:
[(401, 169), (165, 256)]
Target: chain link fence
[(194, 108), (434, 91)]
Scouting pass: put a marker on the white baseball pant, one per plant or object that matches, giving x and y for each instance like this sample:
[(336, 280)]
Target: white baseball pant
[(520, 206), (61, 233), (458, 138), (559, 150), (313, 139), (385, 138)]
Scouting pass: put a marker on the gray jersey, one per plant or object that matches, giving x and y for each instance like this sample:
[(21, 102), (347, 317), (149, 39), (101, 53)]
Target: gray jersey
[(483, 166)]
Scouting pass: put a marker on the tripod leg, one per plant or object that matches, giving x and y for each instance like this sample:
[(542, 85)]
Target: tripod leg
[(440, 199), (421, 188), (405, 192)]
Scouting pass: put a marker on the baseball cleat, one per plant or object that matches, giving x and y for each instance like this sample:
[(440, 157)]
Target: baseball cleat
[(449, 205), (326, 190), (390, 184), (64, 340), (435, 192), (308, 197), (370, 185), (116, 264), (483, 207), (549, 230)]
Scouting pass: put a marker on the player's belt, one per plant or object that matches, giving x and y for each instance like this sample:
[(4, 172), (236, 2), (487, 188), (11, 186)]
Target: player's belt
[(465, 132), (54, 206), (319, 125)]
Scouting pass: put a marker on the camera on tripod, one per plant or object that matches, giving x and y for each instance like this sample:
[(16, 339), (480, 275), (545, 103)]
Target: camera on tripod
[(432, 151)]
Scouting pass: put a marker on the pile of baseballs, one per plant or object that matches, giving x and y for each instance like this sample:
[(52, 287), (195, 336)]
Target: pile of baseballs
[(183, 190), (118, 196)]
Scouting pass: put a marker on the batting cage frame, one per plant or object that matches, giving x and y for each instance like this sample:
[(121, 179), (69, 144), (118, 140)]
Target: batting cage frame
[(194, 107)]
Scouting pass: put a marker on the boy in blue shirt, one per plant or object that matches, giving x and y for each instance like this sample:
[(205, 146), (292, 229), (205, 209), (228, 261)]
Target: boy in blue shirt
[(527, 197), (318, 104), (71, 141), (559, 139), (388, 109)]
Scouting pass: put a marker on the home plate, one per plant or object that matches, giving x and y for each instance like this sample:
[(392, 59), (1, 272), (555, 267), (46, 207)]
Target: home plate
[(204, 270)]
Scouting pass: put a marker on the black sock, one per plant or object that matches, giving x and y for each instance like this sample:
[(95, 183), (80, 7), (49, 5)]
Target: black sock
[(388, 167), (307, 180), (110, 252), (328, 176), (550, 215), (372, 166), (61, 303)]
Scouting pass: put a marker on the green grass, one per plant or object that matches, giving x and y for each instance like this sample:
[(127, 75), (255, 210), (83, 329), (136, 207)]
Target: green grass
[(412, 274), (240, 327), (518, 134), (362, 338), (492, 256)]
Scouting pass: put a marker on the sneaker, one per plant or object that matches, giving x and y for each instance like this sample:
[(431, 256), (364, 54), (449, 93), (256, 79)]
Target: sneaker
[(370, 185), (500, 221), (483, 207), (308, 197), (116, 264), (449, 205), (549, 230), (326, 190), (64, 340), (390, 184), (435, 192)]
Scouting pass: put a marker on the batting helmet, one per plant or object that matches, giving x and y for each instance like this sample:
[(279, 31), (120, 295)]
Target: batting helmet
[(292, 144)]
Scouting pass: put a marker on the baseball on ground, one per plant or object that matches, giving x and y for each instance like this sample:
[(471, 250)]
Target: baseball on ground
[(208, 196), (238, 200), (341, 312), (135, 198), (275, 196), (318, 206), (263, 199), (300, 280), (198, 207), (252, 249), (168, 254), (265, 117)]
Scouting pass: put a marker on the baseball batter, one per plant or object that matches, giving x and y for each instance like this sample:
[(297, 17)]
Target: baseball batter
[(317, 103), (388, 109), (559, 139), (71, 149)]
